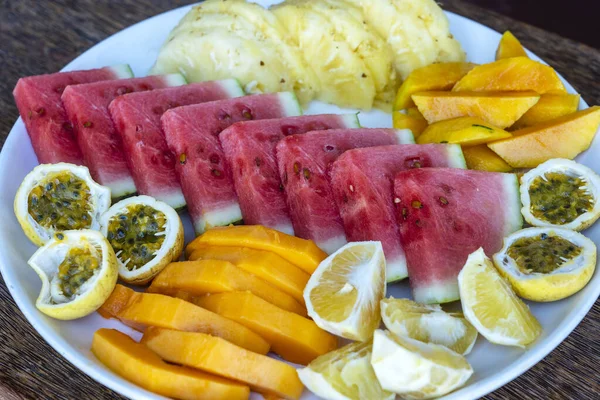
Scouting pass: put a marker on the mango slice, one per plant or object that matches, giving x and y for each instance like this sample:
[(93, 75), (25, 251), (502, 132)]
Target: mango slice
[(217, 356), (442, 76), (266, 265), (499, 109), (138, 364), (509, 46), (515, 74), (216, 276), (403, 121), (549, 107), (303, 253), (140, 310), (480, 157), (564, 137), (295, 338), (466, 131)]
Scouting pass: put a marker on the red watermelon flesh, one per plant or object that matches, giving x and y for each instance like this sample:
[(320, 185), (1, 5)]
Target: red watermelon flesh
[(444, 214), (249, 148), (101, 145), (137, 120), (42, 111), (304, 162), (362, 182), (192, 133)]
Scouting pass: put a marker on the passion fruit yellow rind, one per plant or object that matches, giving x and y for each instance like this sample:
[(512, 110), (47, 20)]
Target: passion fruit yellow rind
[(78, 270), (59, 197), (146, 235), (561, 193), (546, 264)]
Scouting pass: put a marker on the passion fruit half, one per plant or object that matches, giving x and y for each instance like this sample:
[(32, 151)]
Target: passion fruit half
[(146, 235), (546, 264), (59, 197), (561, 193)]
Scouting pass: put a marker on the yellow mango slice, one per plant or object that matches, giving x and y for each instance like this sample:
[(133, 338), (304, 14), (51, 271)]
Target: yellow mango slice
[(500, 109), (403, 121), (564, 137), (266, 265), (481, 158), (509, 46), (515, 74), (217, 356), (138, 364), (441, 76), (549, 107), (414, 112), (466, 131), (140, 310), (295, 338), (303, 253), (216, 276)]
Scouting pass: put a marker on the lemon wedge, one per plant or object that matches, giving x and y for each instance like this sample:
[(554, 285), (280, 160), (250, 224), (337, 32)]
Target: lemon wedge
[(546, 264), (344, 374), (490, 304), (417, 370), (342, 296), (428, 323), (59, 197), (78, 270), (146, 235)]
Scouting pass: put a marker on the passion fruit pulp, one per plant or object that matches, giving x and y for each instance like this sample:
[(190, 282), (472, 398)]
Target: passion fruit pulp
[(542, 253), (78, 266)]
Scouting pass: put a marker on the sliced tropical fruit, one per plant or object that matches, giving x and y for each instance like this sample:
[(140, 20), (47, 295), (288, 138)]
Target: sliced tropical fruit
[(466, 131), (343, 294), (439, 76), (491, 305), (140, 365), (481, 158), (415, 113), (428, 324), (295, 338), (344, 374), (561, 193), (304, 162), (146, 235), (400, 120), (362, 184), (564, 137), (444, 214), (266, 265), (215, 276), (509, 47), (140, 310), (417, 370), (302, 253), (501, 109), (59, 197), (549, 107), (78, 270), (215, 355), (511, 75)]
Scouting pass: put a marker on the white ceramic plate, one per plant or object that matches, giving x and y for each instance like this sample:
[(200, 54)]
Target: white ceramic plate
[(138, 45)]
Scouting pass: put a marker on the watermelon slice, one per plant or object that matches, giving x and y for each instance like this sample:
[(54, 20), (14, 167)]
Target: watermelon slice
[(444, 214), (137, 120), (249, 148), (192, 133), (42, 111), (304, 162), (87, 109), (363, 185)]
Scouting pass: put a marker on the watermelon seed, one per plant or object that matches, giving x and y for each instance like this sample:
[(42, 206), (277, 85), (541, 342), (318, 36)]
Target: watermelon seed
[(88, 124), (306, 173), (223, 115), (215, 172), (281, 187), (418, 222), (351, 188), (138, 128), (41, 111), (67, 126), (182, 158), (246, 113), (443, 200), (296, 168), (405, 213), (416, 204), (257, 161), (329, 148), (396, 200)]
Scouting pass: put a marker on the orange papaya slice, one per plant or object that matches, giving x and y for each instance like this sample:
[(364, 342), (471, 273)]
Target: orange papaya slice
[(509, 46)]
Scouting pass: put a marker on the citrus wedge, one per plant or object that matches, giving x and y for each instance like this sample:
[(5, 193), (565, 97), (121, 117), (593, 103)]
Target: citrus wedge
[(343, 294)]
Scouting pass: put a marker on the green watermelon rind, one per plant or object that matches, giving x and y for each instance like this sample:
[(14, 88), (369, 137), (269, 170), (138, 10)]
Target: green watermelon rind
[(456, 156), (350, 120), (291, 105), (404, 136), (232, 87), (514, 218), (172, 80), (122, 71)]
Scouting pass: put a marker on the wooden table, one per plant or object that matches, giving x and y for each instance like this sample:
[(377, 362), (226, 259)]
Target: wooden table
[(42, 36)]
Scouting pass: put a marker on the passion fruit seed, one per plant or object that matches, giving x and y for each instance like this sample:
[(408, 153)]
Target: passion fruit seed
[(77, 268), (137, 234), (542, 253), (559, 198), (61, 201)]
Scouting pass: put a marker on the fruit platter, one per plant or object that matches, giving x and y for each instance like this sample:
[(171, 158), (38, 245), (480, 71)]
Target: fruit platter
[(307, 199)]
